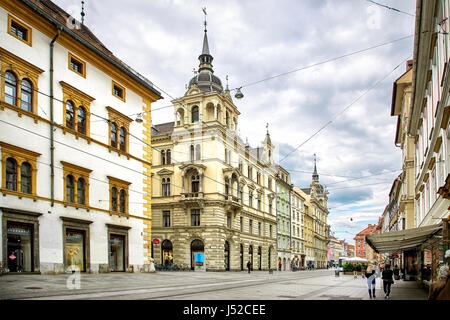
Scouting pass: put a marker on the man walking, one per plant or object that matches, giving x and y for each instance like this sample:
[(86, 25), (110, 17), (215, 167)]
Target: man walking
[(249, 266), (386, 275)]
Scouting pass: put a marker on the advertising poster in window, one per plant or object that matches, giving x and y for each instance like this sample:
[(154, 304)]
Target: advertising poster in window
[(199, 261), (75, 250)]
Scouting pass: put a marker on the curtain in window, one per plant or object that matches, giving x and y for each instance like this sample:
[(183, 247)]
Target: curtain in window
[(81, 120), (25, 177), (26, 95), (81, 194), (114, 199), (122, 201), (70, 115), (11, 174), (122, 139), (113, 135), (168, 156), (70, 188), (10, 88)]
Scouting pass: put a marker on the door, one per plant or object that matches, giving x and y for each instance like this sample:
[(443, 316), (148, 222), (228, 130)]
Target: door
[(117, 253), (19, 248)]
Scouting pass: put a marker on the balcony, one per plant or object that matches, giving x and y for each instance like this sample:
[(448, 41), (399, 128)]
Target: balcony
[(192, 198), (232, 202)]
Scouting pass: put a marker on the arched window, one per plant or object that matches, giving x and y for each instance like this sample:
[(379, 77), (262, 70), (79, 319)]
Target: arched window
[(178, 119), (11, 174), (10, 88), (195, 183), (25, 178), (81, 194), (195, 114), (70, 188), (26, 95), (163, 157), (122, 139), (122, 201), (113, 135), (81, 126), (198, 152), (70, 115), (169, 160), (113, 199)]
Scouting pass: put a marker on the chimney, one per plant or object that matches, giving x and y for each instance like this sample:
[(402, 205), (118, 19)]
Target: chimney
[(409, 65)]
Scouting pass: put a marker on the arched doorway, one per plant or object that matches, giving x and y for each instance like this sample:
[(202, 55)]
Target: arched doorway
[(259, 259), (242, 257), (197, 254), (250, 255), (166, 252), (227, 256)]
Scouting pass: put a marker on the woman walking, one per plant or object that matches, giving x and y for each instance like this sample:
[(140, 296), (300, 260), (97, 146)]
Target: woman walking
[(387, 280), (371, 282)]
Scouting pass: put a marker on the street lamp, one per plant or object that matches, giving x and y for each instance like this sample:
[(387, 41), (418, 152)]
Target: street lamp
[(239, 94)]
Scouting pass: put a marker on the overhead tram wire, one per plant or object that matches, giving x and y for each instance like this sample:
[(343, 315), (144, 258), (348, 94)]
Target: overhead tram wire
[(325, 61), (345, 109), (390, 8)]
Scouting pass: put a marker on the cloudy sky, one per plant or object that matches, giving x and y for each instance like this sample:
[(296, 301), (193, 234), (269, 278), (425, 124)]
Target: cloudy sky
[(254, 40)]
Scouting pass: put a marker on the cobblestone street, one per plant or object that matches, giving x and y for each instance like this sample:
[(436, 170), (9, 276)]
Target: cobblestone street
[(301, 285)]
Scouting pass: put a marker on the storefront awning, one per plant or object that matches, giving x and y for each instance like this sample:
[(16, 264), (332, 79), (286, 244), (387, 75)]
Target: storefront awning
[(402, 240)]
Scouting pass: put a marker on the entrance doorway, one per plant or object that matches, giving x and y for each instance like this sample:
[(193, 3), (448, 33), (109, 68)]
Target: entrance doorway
[(227, 256), (242, 257), (259, 259), (75, 249), (20, 248), (250, 255), (116, 253), (197, 255), (167, 253)]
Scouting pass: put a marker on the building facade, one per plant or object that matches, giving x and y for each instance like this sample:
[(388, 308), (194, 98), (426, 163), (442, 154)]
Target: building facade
[(73, 185), (284, 231), (362, 249), (298, 243), (213, 196)]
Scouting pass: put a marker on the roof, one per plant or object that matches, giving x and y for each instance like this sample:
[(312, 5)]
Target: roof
[(371, 229), (402, 240), (306, 190), (56, 15), (162, 129)]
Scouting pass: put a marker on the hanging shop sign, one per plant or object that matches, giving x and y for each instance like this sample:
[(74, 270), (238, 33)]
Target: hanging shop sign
[(12, 257), (155, 241)]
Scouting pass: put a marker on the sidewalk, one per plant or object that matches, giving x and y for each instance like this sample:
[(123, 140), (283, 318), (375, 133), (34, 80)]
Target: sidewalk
[(400, 290)]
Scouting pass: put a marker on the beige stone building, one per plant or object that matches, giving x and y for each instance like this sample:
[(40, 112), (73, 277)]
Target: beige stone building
[(212, 194)]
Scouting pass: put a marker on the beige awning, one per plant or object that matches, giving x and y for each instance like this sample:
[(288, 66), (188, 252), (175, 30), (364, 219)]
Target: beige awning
[(402, 240)]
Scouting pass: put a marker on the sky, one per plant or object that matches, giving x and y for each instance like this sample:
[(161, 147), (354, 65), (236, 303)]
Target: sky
[(323, 93)]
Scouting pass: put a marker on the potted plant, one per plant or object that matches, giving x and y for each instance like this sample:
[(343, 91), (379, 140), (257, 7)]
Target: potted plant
[(348, 268), (396, 271)]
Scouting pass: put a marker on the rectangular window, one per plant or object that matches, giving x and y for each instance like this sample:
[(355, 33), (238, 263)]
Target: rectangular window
[(195, 217), (19, 30), (259, 228), (242, 224), (77, 65), (250, 226), (229, 220), (166, 219), (118, 91), (270, 231), (74, 249)]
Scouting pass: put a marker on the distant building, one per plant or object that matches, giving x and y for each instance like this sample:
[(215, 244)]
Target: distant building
[(362, 250)]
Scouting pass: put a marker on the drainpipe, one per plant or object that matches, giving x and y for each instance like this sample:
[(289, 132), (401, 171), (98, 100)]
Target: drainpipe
[(52, 147)]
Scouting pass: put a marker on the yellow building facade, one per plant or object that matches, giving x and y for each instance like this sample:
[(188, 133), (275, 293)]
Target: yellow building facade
[(212, 194)]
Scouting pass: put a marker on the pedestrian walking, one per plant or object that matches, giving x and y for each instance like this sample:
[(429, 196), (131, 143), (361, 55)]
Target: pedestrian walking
[(386, 275), (371, 275), (249, 266)]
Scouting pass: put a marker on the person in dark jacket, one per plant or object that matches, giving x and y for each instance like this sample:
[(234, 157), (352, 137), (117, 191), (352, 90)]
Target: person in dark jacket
[(249, 266), (386, 275)]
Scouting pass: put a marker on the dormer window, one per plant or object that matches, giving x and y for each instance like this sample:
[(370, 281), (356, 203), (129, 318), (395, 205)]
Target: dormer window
[(118, 91)]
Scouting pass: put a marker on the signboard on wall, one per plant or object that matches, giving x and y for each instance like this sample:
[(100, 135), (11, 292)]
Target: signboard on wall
[(428, 258)]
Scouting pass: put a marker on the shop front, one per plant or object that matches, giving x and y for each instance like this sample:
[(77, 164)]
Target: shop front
[(76, 239), (20, 241), (118, 247)]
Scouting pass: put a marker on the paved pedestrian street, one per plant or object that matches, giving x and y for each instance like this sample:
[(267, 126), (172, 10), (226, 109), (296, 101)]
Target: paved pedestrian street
[(259, 285)]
